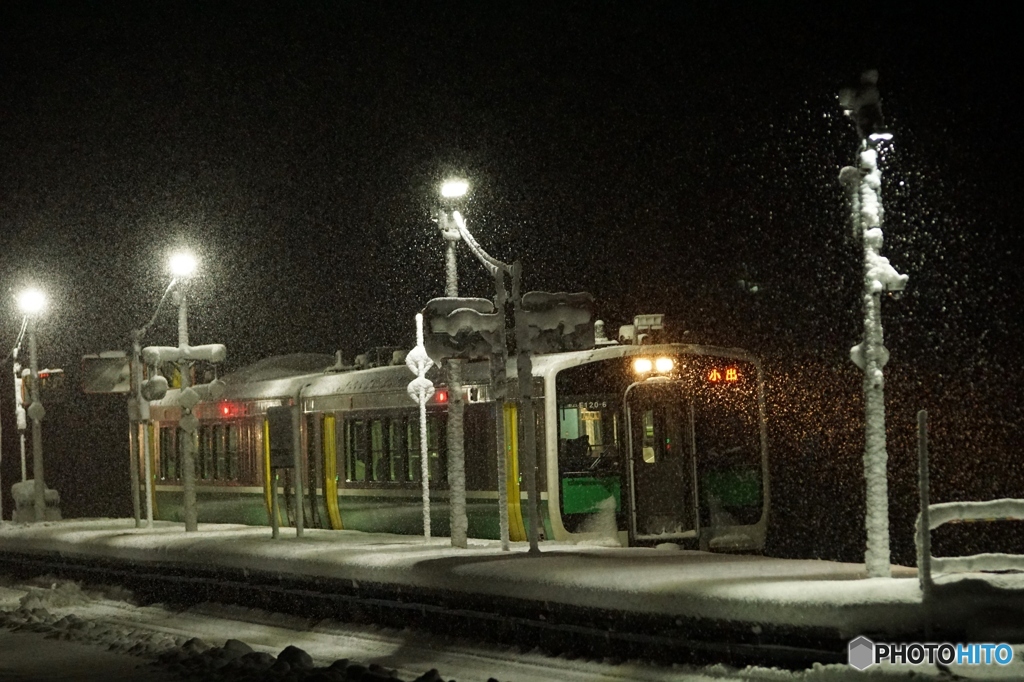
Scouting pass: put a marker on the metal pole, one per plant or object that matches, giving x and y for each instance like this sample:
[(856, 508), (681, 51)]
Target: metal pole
[(300, 497), (924, 544), (36, 412), (456, 407), (148, 470), (19, 413), (456, 457), (528, 443), (275, 509), (498, 370), (188, 463), (133, 430), (133, 470)]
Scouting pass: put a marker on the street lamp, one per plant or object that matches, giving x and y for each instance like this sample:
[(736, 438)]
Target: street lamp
[(452, 191), (524, 371), (183, 265), (32, 302)]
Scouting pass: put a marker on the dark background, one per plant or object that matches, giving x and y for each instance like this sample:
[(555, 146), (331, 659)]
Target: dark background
[(660, 155)]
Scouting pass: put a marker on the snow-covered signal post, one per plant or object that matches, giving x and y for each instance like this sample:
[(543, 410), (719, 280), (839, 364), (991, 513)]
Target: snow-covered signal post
[(863, 184), (475, 328)]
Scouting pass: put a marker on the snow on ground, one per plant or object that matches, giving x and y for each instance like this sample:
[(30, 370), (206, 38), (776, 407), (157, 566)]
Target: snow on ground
[(694, 584), (666, 580), (63, 632)]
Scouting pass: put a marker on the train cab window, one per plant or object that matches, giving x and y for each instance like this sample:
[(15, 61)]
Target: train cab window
[(663, 432), (650, 456), (588, 432)]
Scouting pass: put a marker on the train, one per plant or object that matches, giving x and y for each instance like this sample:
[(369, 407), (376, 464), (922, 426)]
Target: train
[(639, 443)]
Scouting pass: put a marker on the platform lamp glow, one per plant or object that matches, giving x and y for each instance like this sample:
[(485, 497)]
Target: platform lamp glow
[(32, 303)]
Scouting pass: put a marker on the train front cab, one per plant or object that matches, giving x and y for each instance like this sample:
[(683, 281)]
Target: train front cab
[(680, 456)]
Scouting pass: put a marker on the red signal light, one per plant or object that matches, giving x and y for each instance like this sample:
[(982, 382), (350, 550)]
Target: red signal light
[(441, 397), (228, 410)]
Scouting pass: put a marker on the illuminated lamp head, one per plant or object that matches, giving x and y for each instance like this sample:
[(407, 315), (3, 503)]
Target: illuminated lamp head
[(664, 365), (441, 396), (642, 365), (182, 264)]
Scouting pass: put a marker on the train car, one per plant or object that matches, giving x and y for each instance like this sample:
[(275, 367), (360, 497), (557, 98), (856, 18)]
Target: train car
[(643, 444)]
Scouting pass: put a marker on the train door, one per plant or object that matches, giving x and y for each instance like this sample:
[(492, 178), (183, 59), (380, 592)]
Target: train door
[(663, 490)]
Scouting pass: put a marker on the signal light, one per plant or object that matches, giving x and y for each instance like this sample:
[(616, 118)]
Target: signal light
[(441, 396)]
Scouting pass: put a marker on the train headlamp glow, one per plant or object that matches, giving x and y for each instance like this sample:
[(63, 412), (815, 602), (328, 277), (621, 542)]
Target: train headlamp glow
[(642, 365), (664, 364)]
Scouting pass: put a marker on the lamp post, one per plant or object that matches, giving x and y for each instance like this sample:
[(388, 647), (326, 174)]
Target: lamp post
[(451, 192), (138, 413), (863, 184), (31, 302), (524, 369), (183, 266)]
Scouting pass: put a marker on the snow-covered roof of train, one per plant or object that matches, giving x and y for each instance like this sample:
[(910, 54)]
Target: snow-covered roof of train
[(283, 376)]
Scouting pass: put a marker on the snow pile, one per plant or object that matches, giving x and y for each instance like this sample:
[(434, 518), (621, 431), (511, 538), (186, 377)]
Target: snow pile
[(188, 658)]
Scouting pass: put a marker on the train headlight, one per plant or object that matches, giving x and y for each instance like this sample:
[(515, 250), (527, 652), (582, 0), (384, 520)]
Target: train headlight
[(664, 365), (642, 365)]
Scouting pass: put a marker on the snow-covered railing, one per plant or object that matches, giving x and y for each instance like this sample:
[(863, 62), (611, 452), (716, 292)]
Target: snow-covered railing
[(934, 515)]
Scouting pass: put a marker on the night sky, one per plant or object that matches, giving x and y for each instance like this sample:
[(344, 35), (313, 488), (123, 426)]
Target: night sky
[(654, 154)]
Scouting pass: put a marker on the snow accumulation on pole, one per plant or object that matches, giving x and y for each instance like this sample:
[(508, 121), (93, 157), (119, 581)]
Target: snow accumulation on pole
[(871, 355), (421, 389)]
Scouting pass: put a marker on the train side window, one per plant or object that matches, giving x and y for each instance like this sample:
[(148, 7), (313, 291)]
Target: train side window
[(231, 451), (355, 450), (398, 442), (378, 454), (206, 452), (168, 451), (436, 448)]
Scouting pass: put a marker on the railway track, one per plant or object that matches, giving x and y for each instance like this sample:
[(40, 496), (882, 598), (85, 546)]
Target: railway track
[(551, 627)]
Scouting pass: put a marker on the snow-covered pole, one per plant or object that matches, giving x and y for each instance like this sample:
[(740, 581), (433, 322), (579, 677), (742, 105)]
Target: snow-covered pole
[(421, 389), (864, 183)]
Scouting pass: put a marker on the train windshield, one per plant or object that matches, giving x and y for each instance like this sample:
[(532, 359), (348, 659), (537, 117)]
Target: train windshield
[(677, 455)]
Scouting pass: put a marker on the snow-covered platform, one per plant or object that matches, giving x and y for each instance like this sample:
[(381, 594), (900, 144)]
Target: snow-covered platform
[(825, 602)]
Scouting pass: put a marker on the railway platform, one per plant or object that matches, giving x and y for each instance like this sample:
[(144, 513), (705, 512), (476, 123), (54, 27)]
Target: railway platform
[(663, 603)]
